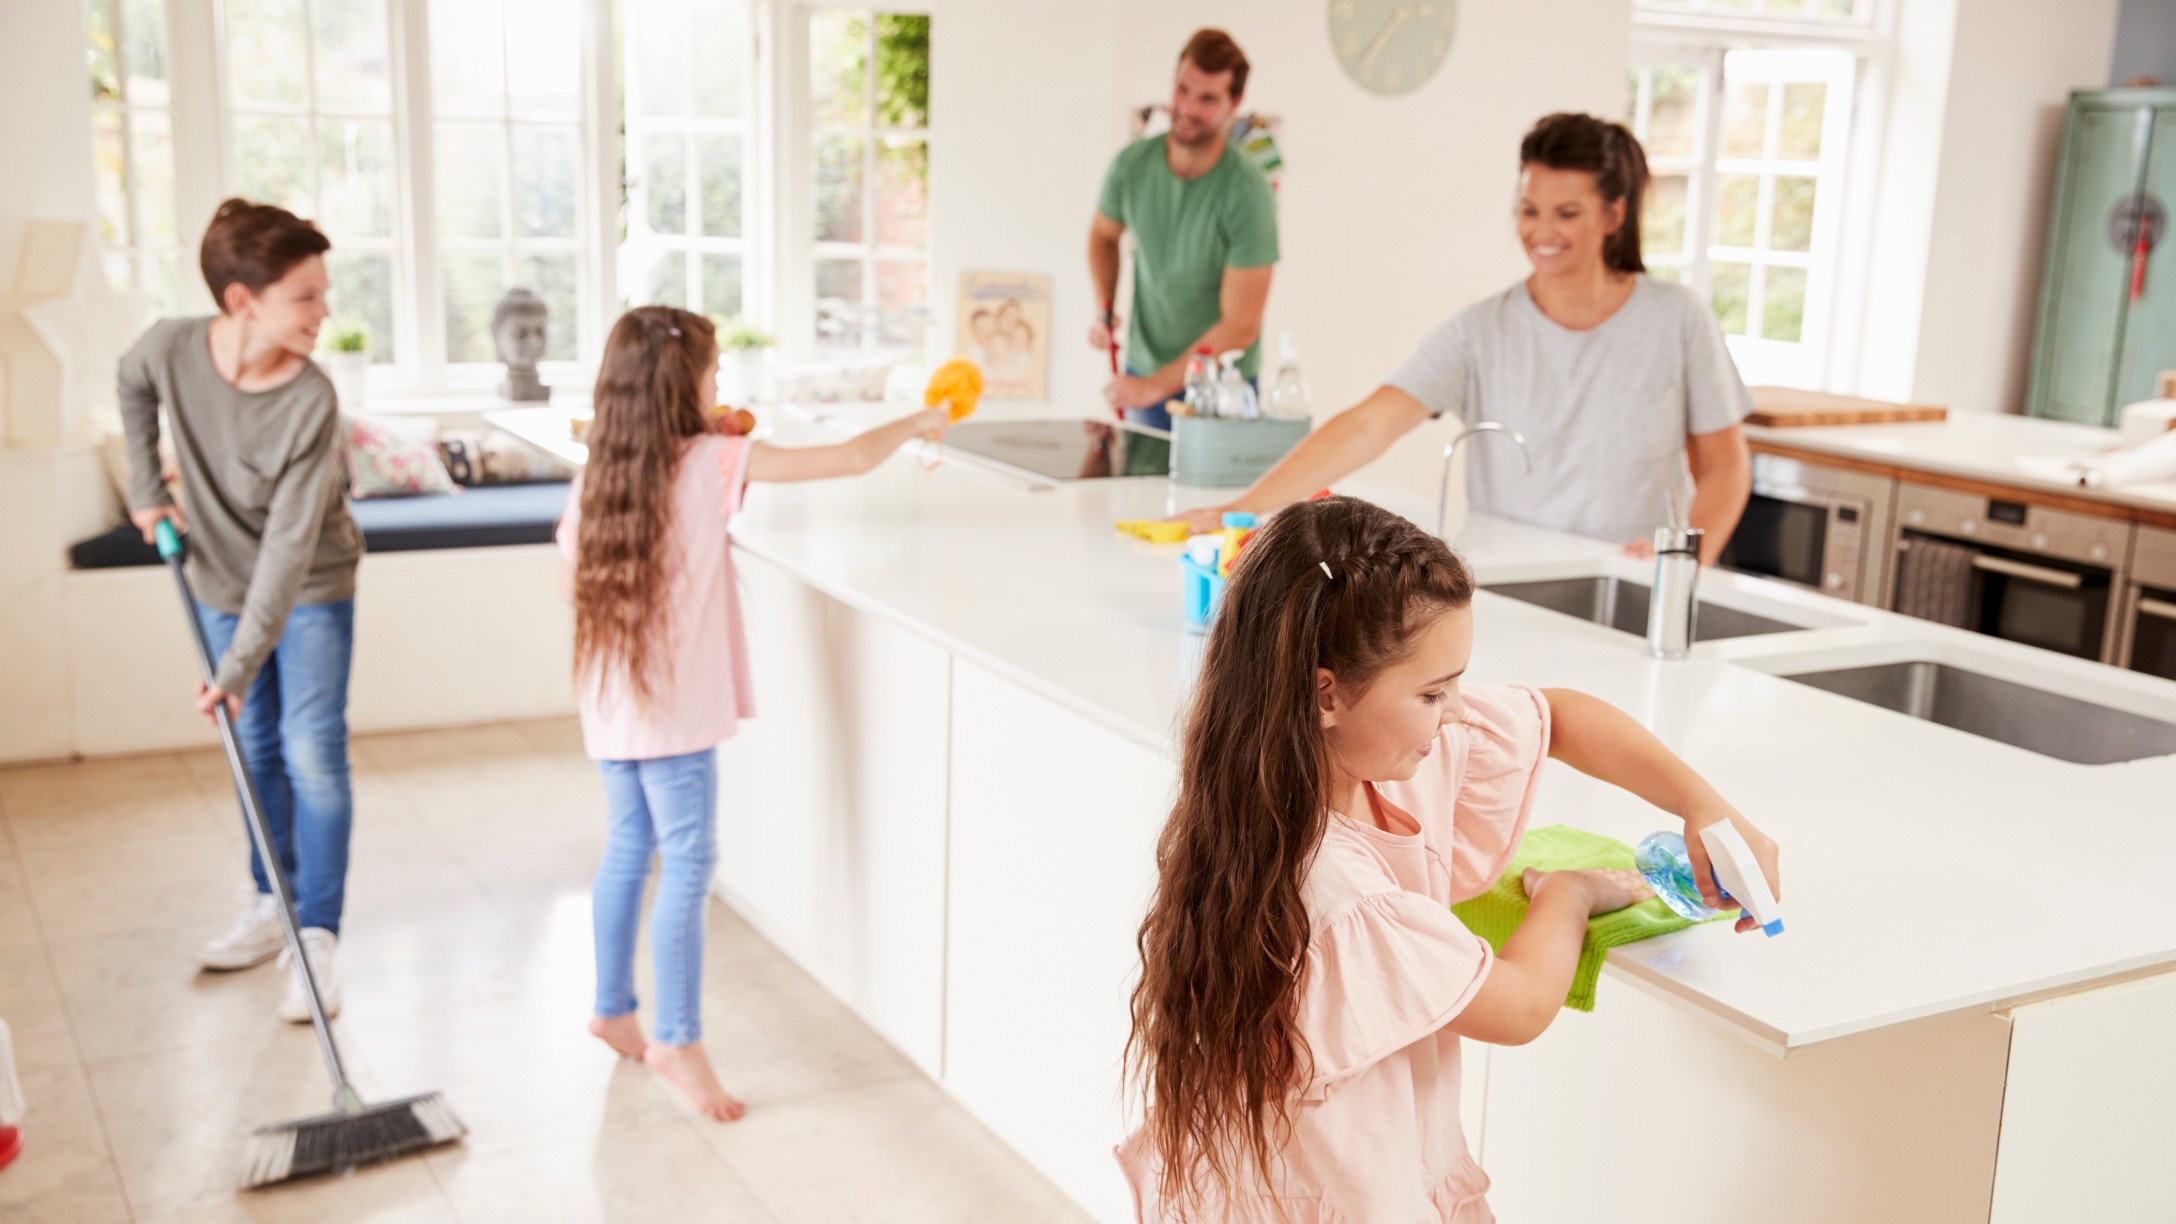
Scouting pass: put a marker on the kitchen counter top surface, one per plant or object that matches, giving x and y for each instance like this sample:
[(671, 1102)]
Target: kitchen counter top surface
[(1978, 446), (1926, 871)]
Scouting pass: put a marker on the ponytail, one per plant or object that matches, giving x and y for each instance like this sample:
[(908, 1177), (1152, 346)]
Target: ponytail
[(1609, 152)]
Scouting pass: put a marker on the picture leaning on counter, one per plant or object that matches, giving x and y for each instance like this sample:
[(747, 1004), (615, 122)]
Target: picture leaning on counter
[(1617, 381)]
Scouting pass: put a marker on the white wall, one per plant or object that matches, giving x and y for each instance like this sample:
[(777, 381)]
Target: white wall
[(45, 142), (47, 496), (2014, 66), (1017, 101)]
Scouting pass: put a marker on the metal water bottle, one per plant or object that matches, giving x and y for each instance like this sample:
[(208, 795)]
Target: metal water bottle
[(1674, 610)]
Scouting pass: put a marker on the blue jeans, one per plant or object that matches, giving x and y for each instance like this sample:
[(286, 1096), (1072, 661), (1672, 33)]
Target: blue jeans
[(294, 734), (669, 807)]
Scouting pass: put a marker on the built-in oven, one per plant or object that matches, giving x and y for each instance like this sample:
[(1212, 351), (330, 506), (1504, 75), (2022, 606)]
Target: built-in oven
[(1818, 527), (2017, 570), (2148, 636)]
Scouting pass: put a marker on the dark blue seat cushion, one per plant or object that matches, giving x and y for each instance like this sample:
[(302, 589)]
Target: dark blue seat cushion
[(483, 517)]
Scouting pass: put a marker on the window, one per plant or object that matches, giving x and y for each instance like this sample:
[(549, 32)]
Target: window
[(441, 146), (309, 89), (867, 109), (690, 102), (132, 143), (1748, 151), (506, 137)]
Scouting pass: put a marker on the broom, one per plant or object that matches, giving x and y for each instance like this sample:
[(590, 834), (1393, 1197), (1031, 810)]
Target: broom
[(354, 1133)]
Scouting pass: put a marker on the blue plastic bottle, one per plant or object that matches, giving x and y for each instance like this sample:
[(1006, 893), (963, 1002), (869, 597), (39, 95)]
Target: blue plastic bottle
[(1662, 860)]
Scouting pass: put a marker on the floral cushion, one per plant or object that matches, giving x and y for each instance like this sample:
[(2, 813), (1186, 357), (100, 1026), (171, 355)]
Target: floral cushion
[(392, 456)]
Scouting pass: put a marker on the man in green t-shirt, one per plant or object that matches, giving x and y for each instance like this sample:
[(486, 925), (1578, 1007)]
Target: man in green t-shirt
[(1204, 225)]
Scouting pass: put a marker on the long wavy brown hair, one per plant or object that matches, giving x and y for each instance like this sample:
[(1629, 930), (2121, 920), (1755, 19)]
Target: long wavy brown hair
[(647, 405), (1216, 1051)]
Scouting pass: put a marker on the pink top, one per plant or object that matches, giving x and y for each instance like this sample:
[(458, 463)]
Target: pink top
[(1376, 1136), (701, 687)]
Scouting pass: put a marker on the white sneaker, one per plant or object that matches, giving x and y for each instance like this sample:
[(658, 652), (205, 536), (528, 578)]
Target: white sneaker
[(322, 947), (253, 939)]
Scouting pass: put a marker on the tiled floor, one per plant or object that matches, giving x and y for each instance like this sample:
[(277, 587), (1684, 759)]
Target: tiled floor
[(467, 960)]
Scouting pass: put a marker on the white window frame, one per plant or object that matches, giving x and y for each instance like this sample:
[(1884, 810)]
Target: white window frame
[(795, 291), (429, 245), (203, 153), (314, 114), (756, 135), (133, 252), (1825, 357)]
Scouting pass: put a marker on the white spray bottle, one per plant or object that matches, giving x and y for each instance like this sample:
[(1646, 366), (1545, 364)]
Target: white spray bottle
[(1740, 876)]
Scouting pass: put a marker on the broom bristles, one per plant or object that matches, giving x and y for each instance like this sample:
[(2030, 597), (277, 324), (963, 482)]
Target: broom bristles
[(336, 1142)]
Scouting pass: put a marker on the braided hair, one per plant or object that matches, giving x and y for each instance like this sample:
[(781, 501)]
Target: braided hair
[(1216, 1050)]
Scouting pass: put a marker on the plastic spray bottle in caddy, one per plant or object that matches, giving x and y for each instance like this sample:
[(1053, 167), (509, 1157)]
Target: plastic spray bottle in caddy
[(1200, 395), (1287, 399), (1663, 862), (1235, 397)]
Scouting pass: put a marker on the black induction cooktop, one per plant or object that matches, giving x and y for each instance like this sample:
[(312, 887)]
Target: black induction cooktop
[(1065, 449)]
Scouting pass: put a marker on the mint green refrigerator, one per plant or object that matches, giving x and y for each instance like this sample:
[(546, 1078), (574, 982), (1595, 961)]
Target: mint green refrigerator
[(2107, 321)]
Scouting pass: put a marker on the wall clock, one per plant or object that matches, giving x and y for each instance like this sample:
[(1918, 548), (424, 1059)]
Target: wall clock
[(1392, 47)]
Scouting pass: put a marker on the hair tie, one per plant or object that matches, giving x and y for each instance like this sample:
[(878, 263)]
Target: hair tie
[(672, 331), (1326, 570)]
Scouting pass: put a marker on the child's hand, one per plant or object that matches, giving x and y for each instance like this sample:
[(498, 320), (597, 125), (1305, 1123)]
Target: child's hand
[(1703, 872), (1606, 892), (147, 521), (932, 423)]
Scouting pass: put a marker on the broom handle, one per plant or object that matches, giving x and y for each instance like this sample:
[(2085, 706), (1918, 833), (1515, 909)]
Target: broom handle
[(252, 807)]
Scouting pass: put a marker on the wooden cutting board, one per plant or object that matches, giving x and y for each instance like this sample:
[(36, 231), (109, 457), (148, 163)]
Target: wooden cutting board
[(1788, 407)]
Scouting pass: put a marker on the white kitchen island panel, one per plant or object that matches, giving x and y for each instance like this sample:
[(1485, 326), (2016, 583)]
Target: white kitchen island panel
[(831, 823), (2090, 1119), (1633, 1113), (1054, 824)]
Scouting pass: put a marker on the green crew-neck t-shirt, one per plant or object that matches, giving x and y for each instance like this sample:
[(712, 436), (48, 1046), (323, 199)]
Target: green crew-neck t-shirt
[(1185, 233)]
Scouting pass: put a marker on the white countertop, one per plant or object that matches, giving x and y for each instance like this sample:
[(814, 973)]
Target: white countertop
[(1926, 871), (1981, 446)]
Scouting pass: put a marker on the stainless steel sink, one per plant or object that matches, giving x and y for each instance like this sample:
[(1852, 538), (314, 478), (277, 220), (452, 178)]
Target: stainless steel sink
[(1622, 605), (2034, 719)]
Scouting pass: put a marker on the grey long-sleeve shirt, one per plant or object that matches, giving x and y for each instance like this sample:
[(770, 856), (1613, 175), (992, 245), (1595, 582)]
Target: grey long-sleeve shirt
[(260, 482)]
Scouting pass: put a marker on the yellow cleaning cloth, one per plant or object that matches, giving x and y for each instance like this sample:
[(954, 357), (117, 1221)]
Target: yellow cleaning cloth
[(1173, 532), (957, 381)]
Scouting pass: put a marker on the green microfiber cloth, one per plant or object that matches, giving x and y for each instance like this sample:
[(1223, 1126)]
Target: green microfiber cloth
[(1496, 913)]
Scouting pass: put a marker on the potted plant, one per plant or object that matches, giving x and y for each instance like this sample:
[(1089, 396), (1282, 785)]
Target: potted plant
[(740, 360), (348, 362)]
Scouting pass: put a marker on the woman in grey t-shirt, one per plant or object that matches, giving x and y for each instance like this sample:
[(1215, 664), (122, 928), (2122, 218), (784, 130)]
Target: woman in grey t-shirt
[(1617, 380)]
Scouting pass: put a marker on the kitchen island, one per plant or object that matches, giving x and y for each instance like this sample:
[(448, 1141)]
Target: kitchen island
[(946, 811)]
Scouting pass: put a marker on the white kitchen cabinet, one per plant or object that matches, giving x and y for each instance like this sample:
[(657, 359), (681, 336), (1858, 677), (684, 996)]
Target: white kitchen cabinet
[(1054, 824), (1642, 1112), (2090, 1116), (832, 810)]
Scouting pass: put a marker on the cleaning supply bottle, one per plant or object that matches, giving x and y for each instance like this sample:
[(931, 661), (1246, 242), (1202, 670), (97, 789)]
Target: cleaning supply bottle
[(1234, 394), (1238, 526), (1663, 863), (1667, 868), (1288, 399), (1200, 396)]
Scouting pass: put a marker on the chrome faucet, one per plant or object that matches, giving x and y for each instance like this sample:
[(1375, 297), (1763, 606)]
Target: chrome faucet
[(1673, 609), (1450, 452)]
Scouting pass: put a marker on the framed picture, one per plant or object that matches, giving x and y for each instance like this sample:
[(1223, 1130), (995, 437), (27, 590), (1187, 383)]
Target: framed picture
[(1004, 327)]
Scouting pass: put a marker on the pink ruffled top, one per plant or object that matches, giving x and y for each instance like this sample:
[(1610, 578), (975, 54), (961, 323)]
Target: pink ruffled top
[(700, 687), (1376, 1134)]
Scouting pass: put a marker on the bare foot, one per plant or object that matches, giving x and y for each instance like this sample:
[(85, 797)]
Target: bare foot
[(623, 1033), (688, 1067)]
